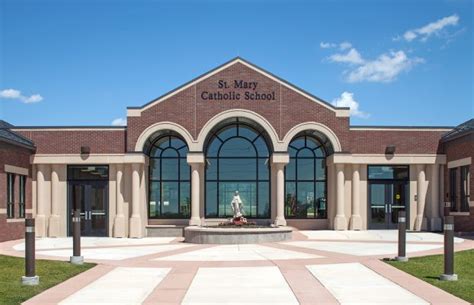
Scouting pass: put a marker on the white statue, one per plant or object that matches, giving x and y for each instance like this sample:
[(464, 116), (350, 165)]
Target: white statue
[(236, 205)]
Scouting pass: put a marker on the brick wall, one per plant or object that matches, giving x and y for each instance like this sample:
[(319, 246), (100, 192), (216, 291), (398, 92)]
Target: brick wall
[(16, 156), (70, 141)]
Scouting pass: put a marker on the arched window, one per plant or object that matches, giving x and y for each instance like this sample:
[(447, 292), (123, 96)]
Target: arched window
[(305, 179), (237, 160), (169, 179)]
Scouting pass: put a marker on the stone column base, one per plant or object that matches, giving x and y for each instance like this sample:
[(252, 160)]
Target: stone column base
[(340, 223), (76, 260), (195, 221), (30, 280), (280, 221), (135, 226), (435, 224), (40, 225), (448, 277), (53, 228), (119, 226), (355, 223)]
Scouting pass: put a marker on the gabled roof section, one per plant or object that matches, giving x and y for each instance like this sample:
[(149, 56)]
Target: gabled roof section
[(8, 136), (340, 111), (459, 131)]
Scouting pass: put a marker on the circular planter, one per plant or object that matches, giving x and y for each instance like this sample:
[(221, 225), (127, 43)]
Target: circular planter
[(219, 235)]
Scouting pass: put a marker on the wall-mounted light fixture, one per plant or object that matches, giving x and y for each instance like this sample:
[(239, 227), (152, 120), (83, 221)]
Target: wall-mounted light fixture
[(390, 150), (85, 150)]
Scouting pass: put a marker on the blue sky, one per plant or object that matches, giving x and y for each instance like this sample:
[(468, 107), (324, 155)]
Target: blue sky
[(83, 62)]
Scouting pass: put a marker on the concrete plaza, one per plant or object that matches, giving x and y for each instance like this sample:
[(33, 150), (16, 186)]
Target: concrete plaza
[(316, 267)]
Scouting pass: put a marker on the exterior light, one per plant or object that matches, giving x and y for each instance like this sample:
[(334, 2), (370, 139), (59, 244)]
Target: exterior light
[(85, 150), (390, 150)]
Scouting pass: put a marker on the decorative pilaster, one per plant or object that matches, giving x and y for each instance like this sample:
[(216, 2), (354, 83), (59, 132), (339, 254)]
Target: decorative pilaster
[(41, 201), (54, 218), (135, 219), (420, 221), (196, 161), (119, 220), (435, 220), (279, 161), (356, 221), (340, 222)]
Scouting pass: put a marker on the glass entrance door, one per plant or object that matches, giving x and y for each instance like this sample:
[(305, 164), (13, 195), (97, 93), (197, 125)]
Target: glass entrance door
[(386, 200), (91, 197)]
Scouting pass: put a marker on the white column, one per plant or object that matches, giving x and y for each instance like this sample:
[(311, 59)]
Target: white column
[(340, 222), (435, 220), (420, 221), (442, 194), (135, 219), (195, 219), (119, 221), (356, 222), (41, 201), (280, 195), (54, 218)]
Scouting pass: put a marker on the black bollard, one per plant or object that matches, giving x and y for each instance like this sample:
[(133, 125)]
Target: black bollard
[(402, 237), (76, 257), (447, 207), (448, 250), (30, 278)]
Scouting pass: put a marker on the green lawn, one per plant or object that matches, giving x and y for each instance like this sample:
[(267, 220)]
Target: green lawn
[(51, 273), (429, 268)]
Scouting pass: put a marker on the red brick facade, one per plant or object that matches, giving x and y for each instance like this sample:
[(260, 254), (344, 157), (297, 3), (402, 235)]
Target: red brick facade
[(20, 157)]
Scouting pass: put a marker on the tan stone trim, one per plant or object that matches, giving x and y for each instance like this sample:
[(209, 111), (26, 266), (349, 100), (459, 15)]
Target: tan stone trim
[(459, 213), (375, 128), (29, 211), (150, 130), (195, 158), (280, 158), (3, 211), (471, 203), (11, 220), (70, 129), (137, 112), (314, 126), (16, 170), (460, 162), (386, 159), (90, 159)]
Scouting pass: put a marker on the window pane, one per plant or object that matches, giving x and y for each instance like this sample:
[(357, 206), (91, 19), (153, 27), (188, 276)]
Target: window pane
[(298, 143), (177, 143), (163, 143), (320, 169), (262, 148), (263, 169), (305, 169), (185, 199), (290, 199), (185, 169), (263, 200), (388, 172), (227, 132), (211, 199), (237, 169), (170, 152), (237, 147), (85, 172), (170, 199), (311, 143), (292, 152), (305, 152), (247, 133), (155, 169), (213, 148), (305, 197), (211, 169), (290, 170), (320, 200), (170, 169), (154, 205), (248, 195), (319, 152), (155, 152)]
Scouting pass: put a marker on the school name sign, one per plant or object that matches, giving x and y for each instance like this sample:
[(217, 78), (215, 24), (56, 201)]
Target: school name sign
[(237, 90)]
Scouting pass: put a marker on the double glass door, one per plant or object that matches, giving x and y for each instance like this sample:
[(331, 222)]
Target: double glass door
[(386, 200), (91, 197)]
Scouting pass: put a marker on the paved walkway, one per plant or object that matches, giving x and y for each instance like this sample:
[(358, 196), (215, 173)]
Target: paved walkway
[(316, 267)]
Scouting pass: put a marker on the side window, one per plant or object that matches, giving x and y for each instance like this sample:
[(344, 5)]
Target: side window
[(10, 195), (21, 199)]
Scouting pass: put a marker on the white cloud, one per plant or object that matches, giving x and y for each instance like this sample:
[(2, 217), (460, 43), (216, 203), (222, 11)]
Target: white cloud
[(433, 28), (351, 57), (345, 45), (347, 100), (119, 122), (326, 45), (384, 68), (16, 95)]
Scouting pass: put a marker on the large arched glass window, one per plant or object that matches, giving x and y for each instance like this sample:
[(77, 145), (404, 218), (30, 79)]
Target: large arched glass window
[(237, 160), (169, 177), (305, 179)]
